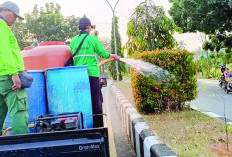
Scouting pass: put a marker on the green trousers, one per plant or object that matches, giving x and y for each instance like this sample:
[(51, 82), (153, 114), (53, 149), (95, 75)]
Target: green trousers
[(14, 102)]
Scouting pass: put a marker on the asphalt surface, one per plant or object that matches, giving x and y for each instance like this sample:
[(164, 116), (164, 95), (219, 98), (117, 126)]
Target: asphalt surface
[(119, 143), (213, 98)]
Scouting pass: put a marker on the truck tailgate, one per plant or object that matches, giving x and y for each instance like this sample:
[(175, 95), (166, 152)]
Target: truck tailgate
[(78, 143)]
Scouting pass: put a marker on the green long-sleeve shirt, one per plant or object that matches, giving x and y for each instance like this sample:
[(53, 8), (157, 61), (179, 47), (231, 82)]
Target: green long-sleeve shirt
[(11, 61), (87, 54)]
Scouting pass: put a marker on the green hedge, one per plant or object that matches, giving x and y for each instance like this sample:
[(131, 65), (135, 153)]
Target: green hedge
[(151, 96)]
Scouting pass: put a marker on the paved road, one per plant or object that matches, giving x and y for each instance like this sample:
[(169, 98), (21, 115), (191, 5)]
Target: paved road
[(119, 144), (213, 98)]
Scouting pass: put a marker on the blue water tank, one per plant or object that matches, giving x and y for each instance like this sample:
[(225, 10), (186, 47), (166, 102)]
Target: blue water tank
[(36, 97), (68, 90)]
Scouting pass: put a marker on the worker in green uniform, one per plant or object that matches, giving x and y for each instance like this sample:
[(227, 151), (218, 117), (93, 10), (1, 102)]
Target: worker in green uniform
[(13, 99), (87, 56)]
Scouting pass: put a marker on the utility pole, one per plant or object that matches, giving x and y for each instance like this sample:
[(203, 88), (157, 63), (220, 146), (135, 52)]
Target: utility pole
[(115, 39)]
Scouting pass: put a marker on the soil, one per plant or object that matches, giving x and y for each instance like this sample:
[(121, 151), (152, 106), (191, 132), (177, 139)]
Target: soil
[(221, 150)]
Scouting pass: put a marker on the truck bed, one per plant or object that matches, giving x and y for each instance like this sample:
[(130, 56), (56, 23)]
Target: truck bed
[(69, 143)]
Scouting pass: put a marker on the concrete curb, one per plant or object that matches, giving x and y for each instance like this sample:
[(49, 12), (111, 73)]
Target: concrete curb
[(145, 143), (213, 115)]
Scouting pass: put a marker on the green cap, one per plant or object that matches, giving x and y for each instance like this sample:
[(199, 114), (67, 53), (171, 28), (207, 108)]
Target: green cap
[(12, 7)]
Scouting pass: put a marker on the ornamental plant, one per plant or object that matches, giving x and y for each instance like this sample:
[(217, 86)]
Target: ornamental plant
[(151, 95)]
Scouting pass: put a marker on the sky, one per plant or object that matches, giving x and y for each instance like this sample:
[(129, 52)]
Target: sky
[(100, 14)]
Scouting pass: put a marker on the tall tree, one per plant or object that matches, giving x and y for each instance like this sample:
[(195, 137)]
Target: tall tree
[(45, 24), (149, 29), (22, 34), (112, 65), (212, 17), (49, 23)]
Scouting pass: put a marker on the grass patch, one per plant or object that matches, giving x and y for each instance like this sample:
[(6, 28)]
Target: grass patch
[(189, 133)]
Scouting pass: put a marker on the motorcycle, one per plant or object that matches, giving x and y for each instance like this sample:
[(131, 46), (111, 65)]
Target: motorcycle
[(222, 81), (229, 84)]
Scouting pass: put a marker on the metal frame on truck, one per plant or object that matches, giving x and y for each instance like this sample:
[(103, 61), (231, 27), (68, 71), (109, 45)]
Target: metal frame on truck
[(69, 143)]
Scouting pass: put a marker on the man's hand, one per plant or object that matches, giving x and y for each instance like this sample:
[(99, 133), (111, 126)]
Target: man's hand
[(16, 82), (115, 57)]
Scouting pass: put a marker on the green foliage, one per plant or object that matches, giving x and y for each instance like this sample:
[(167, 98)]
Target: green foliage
[(227, 58), (212, 17), (150, 96), (22, 34), (218, 41), (210, 67), (149, 29), (229, 66), (201, 15), (46, 24), (47, 27), (112, 65)]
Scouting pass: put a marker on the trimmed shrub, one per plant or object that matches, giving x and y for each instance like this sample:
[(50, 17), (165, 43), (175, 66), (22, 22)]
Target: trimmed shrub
[(152, 96)]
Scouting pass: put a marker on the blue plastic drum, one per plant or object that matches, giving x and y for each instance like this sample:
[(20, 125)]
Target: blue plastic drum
[(68, 90), (36, 97)]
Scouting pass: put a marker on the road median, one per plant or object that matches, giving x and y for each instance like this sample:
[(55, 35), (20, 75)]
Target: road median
[(145, 142)]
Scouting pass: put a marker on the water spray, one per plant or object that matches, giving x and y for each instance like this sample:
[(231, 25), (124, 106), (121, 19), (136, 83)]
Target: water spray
[(155, 73), (152, 71)]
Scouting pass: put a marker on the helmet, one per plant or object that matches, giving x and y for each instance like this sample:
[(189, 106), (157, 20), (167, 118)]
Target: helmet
[(223, 65)]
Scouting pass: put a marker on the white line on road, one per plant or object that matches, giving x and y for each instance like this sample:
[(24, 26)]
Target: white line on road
[(211, 114)]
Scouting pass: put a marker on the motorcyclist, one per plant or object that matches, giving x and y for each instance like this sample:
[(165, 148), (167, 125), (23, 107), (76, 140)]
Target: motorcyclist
[(225, 72), (222, 80), (223, 67), (227, 76)]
